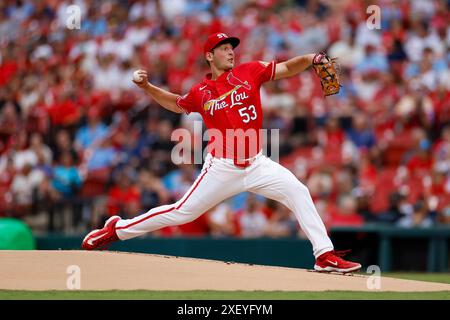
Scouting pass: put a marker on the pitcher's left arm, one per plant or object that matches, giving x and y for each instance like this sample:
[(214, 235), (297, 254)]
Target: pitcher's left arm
[(295, 65)]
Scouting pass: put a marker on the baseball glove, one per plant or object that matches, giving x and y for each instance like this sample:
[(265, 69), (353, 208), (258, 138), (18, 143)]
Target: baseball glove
[(326, 69)]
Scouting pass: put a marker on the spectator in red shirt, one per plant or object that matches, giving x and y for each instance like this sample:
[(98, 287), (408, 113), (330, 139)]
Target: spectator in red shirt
[(367, 173), (434, 185), (8, 67), (9, 124), (333, 136), (441, 151), (65, 110), (421, 162), (124, 197), (6, 178)]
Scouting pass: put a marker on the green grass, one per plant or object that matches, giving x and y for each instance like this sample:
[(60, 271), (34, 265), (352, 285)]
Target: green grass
[(242, 295), (220, 295), (431, 277)]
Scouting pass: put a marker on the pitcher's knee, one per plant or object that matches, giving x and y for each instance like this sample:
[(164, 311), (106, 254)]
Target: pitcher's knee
[(185, 218), (187, 214), (291, 184), (303, 188)]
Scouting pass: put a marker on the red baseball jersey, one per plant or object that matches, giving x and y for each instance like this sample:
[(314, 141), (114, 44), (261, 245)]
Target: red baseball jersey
[(231, 109)]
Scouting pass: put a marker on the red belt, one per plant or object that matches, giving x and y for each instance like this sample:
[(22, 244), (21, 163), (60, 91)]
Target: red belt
[(243, 163)]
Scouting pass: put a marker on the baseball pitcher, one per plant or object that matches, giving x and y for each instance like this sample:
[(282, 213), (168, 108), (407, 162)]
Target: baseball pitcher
[(228, 100)]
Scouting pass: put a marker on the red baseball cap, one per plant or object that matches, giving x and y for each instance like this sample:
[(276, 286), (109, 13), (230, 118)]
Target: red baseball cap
[(218, 38)]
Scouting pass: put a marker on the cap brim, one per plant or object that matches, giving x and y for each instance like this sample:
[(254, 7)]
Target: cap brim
[(233, 40)]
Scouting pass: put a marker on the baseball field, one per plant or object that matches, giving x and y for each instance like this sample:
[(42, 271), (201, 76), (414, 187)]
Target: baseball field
[(117, 275)]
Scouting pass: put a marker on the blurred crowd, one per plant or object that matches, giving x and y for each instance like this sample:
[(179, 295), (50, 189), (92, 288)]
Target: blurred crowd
[(79, 142)]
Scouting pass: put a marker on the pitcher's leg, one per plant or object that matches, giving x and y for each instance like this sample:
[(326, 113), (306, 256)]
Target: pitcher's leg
[(273, 181), (210, 188)]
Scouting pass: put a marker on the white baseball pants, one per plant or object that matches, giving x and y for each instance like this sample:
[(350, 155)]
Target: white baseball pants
[(221, 179)]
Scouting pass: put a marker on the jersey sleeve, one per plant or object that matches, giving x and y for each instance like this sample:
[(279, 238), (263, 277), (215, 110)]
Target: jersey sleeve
[(262, 72), (187, 102)]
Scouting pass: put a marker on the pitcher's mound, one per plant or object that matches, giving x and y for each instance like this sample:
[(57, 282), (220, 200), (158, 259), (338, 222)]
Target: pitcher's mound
[(50, 270)]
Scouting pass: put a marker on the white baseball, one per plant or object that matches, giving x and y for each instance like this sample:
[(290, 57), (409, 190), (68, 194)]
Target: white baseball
[(137, 77)]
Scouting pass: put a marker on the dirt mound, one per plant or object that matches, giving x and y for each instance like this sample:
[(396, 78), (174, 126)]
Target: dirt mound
[(53, 270)]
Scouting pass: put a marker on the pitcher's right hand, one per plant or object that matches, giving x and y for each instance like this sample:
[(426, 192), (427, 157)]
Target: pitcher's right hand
[(144, 79)]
